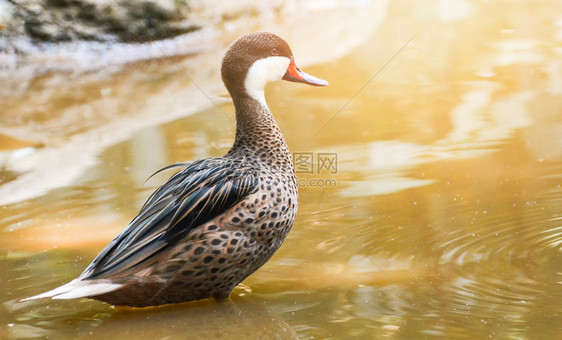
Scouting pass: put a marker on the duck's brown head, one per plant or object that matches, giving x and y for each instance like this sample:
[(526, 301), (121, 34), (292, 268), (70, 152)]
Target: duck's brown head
[(256, 59)]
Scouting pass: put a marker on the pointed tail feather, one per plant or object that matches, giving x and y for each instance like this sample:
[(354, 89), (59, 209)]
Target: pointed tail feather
[(78, 289)]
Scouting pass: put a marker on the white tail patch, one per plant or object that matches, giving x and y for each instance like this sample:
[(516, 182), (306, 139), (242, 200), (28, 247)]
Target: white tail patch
[(77, 289)]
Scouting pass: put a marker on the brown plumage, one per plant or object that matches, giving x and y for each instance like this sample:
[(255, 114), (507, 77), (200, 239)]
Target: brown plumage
[(217, 220)]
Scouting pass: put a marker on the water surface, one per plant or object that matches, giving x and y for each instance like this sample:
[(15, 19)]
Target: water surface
[(441, 218)]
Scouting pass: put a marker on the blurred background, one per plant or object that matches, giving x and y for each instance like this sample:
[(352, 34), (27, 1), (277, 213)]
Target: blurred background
[(440, 217)]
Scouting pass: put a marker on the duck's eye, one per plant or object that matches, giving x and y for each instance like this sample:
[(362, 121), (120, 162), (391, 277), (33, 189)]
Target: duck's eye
[(274, 52)]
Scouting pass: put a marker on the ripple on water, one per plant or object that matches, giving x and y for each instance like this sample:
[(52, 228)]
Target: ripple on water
[(504, 264)]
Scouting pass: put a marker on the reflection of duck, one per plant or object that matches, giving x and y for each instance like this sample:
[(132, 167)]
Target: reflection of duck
[(202, 320), (217, 220)]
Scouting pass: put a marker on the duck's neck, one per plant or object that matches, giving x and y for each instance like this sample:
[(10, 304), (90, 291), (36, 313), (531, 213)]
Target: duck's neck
[(258, 135)]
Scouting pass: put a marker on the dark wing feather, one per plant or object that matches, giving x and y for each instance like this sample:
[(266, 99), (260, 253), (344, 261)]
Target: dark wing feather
[(191, 197)]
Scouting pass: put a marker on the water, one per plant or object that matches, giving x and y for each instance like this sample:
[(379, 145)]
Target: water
[(441, 217)]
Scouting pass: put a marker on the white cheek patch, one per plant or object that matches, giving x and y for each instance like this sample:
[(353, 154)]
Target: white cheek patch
[(263, 71)]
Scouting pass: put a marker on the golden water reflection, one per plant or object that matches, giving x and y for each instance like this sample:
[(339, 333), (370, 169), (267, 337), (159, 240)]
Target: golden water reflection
[(444, 219)]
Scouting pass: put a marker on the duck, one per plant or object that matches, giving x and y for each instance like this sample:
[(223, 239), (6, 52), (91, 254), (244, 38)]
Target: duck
[(216, 220)]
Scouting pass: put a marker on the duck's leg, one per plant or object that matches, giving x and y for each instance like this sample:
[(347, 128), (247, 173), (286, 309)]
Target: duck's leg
[(222, 296)]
